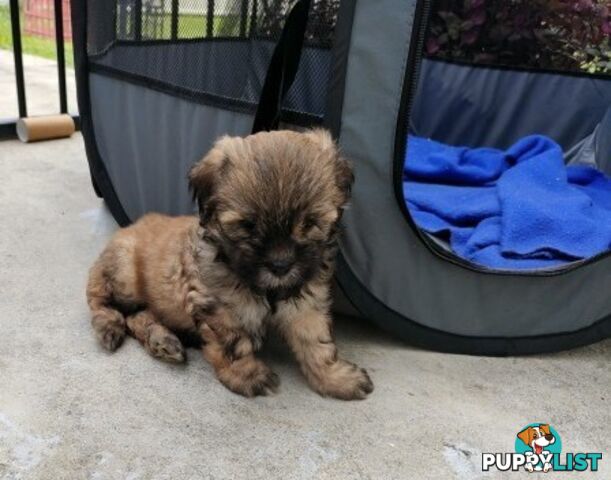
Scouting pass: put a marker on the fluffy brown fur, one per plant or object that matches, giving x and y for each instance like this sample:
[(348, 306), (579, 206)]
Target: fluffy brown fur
[(260, 255)]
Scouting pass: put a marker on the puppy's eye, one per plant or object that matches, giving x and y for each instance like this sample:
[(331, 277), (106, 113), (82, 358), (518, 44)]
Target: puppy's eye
[(247, 225), (240, 230), (309, 223)]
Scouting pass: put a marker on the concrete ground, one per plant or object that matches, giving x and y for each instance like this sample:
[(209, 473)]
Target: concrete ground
[(69, 410)]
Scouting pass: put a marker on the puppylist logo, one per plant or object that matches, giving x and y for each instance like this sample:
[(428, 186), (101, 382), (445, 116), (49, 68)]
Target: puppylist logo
[(538, 448)]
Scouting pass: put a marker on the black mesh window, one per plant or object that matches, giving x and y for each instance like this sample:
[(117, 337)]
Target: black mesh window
[(212, 51)]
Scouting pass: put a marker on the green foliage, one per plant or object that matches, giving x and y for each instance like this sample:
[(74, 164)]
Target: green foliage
[(570, 35)]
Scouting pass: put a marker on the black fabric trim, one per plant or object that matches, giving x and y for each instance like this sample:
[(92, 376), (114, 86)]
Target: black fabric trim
[(148, 43), (203, 98), (282, 68), (181, 92), (100, 177), (515, 68), (161, 41), (169, 41), (409, 90), (339, 67), (432, 339)]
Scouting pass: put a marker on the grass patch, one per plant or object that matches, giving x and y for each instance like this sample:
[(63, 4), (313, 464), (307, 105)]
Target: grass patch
[(159, 26), (39, 46)]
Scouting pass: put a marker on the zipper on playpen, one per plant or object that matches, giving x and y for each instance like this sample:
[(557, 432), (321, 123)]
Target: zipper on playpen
[(412, 73)]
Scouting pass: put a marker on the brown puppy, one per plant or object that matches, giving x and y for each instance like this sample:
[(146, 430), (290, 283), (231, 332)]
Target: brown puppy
[(260, 255)]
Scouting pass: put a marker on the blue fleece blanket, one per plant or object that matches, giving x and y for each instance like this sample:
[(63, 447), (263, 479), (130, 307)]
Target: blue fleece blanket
[(522, 208)]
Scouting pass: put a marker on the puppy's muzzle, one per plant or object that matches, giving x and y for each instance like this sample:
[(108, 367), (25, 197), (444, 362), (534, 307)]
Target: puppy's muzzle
[(280, 260), (280, 267)]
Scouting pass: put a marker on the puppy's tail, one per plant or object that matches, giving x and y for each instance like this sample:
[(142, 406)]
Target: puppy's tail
[(107, 322)]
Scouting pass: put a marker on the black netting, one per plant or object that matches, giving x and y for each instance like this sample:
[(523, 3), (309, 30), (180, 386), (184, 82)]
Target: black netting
[(214, 51), (101, 31)]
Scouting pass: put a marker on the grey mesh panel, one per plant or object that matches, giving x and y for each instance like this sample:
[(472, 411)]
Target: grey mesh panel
[(233, 69), (149, 140), (474, 106), (386, 255)]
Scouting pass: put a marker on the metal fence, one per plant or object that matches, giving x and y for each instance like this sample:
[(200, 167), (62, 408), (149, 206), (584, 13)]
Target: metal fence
[(8, 127)]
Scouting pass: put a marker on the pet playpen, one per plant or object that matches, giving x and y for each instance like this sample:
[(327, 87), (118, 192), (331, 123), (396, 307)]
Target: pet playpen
[(159, 80)]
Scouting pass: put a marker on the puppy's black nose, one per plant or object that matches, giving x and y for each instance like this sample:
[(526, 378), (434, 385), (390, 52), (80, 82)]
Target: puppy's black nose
[(549, 437), (279, 266)]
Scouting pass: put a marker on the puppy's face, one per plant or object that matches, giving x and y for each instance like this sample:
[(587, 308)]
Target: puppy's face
[(542, 436), (270, 203), (537, 437)]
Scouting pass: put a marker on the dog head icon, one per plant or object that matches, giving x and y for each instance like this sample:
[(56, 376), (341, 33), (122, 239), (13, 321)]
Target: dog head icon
[(537, 437)]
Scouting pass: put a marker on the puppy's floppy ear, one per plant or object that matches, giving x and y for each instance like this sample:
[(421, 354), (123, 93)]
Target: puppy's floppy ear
[(526, 435), (203, 179), (344, 176)]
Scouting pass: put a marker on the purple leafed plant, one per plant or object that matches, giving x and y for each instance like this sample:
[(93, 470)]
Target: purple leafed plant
[(569, 35)]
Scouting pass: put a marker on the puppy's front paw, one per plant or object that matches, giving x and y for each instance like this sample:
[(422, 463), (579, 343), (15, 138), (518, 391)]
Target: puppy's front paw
[(164, 345), (249, 377), (343, 380)]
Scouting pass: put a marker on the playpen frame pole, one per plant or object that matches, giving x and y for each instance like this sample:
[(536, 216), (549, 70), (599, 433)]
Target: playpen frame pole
[(253, 18), (138, 19), (243, 18), (18, 58), (210, 19), (174, 19), (61, 58)]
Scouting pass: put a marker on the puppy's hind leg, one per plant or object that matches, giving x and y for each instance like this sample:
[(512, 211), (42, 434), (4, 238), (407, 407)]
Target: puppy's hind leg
[(155, 338), (107, 322)]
